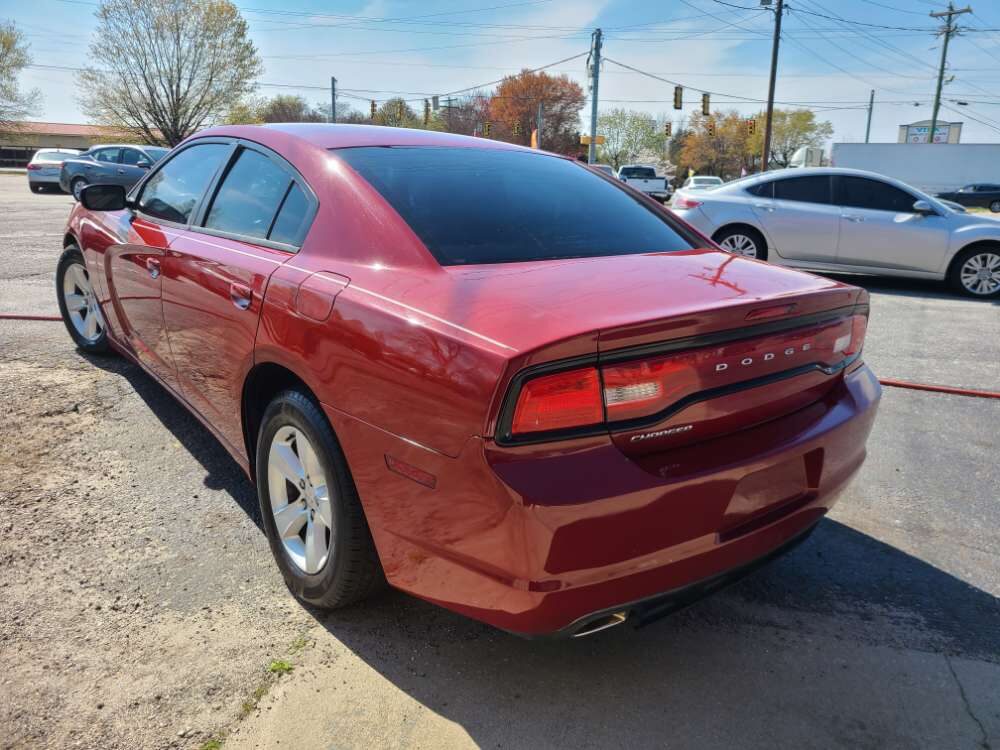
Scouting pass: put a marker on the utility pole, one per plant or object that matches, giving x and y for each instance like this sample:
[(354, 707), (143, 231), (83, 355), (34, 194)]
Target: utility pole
[(538, 126), (871, 104), (333, 99), (766, 155), (594, 63), (948, 33)]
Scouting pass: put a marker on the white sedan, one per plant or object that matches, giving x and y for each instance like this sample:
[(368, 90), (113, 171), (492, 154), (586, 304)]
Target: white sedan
[(847, 220)]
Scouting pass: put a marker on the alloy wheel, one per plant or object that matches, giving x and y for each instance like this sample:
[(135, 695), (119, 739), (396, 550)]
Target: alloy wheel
[(300, 500), (740, 244), (81, 303), (995, 207), (980, 274), (77, 188)]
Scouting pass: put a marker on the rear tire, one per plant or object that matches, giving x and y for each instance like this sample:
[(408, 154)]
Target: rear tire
[(78, 303), (36, 188), (995, 207), (742, 240), (324, 550), (78, 184), (975, 272)]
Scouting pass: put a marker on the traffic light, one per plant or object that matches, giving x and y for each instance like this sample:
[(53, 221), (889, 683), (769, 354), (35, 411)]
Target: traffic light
[(678, 97), (751, 126), (374, 108), (487, 127), (705, 108), (710, 128), (427, 112), (668, 128)]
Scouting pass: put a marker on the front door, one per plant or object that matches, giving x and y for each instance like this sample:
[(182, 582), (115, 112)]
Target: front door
[(799, 218), (880, 229), (217, 275)]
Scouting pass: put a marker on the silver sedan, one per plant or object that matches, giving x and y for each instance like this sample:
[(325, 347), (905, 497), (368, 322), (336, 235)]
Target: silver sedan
[(847, 220)]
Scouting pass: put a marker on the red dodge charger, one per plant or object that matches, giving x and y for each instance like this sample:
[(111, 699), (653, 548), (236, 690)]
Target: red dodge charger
[(490, 376)]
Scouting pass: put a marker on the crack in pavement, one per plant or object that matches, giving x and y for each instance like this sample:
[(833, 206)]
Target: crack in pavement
[(985, 744)]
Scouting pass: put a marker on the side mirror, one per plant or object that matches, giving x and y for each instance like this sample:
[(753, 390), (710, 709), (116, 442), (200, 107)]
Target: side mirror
[(143, 164), (924, 209), (103, 197)]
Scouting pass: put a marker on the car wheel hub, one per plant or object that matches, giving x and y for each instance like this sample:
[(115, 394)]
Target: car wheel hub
[(81, 303), (980, 274), (300, 500), (740, 244)]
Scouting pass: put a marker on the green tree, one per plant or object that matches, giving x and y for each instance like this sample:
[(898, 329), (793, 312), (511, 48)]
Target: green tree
[(630, 136), (15, 103), (791, 130), (397, 113), (167, 68)]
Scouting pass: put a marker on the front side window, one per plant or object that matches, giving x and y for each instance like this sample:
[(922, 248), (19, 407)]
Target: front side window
[(132, 156), (172, 193), (861, 192), (810, 189), (472, 205), (249, 196)]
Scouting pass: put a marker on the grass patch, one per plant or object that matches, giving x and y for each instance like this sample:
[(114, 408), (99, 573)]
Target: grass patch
[(280, 667), (298, 645), (212, 744)]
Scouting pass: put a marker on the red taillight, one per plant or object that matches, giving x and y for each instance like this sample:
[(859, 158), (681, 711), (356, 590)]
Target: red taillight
[(637, 389), (559, 401), (33, 167), (859, 325), (683, 202)]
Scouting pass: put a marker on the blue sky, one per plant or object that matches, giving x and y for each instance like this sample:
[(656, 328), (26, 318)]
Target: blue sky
[(380, 47)]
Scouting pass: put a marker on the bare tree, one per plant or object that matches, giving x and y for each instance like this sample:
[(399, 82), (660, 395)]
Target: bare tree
[(167, 67), (15, 104)]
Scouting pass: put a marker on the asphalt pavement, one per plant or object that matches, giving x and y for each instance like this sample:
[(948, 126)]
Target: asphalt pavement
[(139, 606)]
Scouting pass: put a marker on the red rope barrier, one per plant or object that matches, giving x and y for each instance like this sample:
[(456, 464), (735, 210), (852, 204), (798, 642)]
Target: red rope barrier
[(939, 388), (12, 316)]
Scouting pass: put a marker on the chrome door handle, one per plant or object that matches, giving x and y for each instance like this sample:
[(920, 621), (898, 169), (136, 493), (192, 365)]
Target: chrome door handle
[(240, 295), (763, 207), (852, 217), (121, 171), (153, 266)]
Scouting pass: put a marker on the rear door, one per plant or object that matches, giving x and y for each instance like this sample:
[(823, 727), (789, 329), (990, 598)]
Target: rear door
[(254, 220), (798, 215), (135, 269), (104, 166), (880, 229)]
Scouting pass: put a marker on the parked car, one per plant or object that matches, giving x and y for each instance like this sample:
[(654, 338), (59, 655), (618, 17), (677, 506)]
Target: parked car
[(981, 195), (848, 220), (43, 169), (605, 168), (701, 182), (645, 180), (114, 165), (549, 415)]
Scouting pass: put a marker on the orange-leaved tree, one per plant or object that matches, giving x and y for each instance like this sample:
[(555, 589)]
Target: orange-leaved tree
[(514, 110)]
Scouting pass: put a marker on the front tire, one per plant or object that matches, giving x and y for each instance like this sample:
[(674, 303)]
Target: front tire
[(78, 303), (995, 207), (310, 508), (742, 240), (975, 272)]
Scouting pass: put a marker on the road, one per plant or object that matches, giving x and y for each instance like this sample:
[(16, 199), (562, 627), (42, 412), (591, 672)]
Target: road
[(139, 606)]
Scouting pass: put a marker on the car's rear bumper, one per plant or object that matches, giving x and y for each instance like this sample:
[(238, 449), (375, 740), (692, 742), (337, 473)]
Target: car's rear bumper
[(37, 179), (541, 542)]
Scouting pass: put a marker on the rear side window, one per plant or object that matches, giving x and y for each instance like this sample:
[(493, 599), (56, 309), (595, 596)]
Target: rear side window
[(471, 205), (107, 154), (860, 192), (762, 189), (249, 195), (172, 193), (293, 217), (811, 189)]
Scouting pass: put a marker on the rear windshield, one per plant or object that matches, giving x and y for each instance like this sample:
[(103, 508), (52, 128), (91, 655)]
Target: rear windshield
[(471, 205), (54, 155), (638, 173)]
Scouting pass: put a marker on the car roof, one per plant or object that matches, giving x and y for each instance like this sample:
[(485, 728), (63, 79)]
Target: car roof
[(328, 135)]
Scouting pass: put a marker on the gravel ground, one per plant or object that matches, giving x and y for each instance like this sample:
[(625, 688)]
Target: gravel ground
[(139, 607)]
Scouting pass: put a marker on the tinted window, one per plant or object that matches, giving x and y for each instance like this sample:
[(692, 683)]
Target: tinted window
[(860, 192), (155, 153), (762, 189), (174, 191), (106, 154), (290, 224), (811, 189), (987, 188), (132, 156), (639, 173), (249, 195), (497, 206)]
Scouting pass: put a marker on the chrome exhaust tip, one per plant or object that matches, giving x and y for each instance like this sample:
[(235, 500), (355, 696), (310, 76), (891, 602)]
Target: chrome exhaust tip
[(601, 623)]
